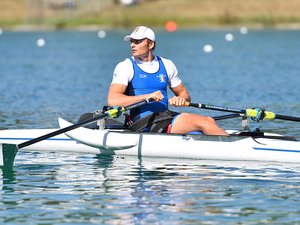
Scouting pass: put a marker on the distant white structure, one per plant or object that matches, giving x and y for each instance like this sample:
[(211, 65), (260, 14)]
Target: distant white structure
[(128, 2)]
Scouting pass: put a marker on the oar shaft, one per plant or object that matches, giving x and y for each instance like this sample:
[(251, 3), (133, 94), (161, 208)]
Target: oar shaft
[(217, 108), (289, 118), (248, 112), (229, 116), (61, 131), (108, 114)]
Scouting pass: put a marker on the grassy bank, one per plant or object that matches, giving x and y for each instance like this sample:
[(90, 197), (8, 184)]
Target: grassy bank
[(187, 13)]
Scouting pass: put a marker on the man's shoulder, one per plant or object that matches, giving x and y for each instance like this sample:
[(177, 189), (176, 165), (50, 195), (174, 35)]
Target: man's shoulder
[(125, 63), (168, 63)]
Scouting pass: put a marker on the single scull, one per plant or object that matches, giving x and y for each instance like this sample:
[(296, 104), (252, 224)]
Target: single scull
[(249, 146)]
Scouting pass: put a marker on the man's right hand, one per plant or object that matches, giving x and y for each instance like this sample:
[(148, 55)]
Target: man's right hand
[(157, 96)]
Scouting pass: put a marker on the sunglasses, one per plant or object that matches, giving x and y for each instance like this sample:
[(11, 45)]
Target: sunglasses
[(136, 42)]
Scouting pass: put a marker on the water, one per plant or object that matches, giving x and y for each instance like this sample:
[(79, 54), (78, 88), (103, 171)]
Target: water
[(71, 74)]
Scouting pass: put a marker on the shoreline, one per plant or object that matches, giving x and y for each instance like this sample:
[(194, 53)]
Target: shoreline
[(34, 28), (188, 14)]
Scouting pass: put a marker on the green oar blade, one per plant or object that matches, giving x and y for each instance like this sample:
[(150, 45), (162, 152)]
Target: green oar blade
[(7, 155)]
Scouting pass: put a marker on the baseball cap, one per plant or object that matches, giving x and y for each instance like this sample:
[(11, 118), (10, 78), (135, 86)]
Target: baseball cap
[(141, 32)]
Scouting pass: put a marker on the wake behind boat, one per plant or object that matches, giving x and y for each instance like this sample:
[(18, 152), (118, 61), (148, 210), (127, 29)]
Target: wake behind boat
[(240, 145)]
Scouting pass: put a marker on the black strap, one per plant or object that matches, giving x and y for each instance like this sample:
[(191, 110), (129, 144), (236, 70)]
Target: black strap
[(156, 122)]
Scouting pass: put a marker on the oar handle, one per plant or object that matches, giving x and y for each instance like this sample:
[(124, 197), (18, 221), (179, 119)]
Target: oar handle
[(138, 104)]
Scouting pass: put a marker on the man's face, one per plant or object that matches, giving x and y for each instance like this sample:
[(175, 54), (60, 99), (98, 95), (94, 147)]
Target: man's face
[(140, 48)]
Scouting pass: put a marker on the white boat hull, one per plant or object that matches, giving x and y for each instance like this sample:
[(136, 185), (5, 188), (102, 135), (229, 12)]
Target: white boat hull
[(83, 140), (57, 144), (187, 146)]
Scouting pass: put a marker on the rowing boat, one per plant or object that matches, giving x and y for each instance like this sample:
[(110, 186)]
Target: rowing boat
[(239, 145)]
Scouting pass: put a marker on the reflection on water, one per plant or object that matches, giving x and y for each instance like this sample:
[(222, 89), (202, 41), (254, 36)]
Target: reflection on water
[(58, 188)]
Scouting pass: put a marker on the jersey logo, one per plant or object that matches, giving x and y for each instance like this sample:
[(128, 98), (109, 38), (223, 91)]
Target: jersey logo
[(161, 78), (143, 75)]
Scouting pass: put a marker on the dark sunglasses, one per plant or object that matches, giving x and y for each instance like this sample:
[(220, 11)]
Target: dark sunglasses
[(136, 42)]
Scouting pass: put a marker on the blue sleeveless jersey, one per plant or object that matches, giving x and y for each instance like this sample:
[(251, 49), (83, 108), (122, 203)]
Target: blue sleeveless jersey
[(145, 83)]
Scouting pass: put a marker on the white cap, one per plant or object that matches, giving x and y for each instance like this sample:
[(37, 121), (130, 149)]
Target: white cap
[(141, 32)]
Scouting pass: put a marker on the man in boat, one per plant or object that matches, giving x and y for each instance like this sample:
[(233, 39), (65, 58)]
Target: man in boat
[(145, 75)]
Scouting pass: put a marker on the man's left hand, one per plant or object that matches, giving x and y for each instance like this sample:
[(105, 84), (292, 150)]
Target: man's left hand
[(177, 101)]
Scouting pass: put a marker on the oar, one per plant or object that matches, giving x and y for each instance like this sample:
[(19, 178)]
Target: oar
[(227, 116), (247, 112), (9, 150)]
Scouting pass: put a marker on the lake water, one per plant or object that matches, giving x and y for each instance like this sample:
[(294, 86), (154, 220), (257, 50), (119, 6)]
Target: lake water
[(71, 74)]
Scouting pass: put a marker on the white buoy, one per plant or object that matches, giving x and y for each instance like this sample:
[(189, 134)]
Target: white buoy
[(101, 34), (208, 48), (229, 37), (41, 42), (1, 31), (243, 30)]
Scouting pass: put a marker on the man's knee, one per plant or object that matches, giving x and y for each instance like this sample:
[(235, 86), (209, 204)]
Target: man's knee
[(210, 119), (205, 121)]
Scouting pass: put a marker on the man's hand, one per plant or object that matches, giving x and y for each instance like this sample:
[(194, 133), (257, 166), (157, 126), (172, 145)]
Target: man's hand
[(157, 96), (177, 101)]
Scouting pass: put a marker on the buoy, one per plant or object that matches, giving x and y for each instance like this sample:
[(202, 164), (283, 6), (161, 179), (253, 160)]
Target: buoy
[(171, 26), (208, 48), (101, 34), (41, 42), (229, 37), (244, 30)]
